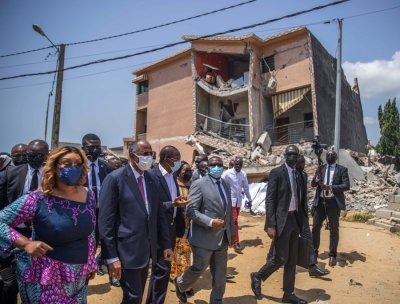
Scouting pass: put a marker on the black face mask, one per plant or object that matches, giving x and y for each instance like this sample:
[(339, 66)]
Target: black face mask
[(36, 160), (20, 160), (93, 153), (291, 159), (187, 176)]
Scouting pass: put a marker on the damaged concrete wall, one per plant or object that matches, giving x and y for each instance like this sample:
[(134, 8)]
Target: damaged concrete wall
[(352, 134)]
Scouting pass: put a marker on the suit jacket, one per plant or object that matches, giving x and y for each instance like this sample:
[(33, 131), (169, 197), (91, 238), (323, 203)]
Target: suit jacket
[(303, 179), (279, 194), (104, 169), (177, 225), (126, 229), (196, 175), (340, 183), (206, 205), (12, 184)]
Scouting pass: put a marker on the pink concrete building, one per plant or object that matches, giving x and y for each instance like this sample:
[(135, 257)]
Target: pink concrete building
[(237, 88)]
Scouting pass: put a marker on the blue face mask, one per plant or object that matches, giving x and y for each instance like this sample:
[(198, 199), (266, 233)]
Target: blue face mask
[(70, 176), (216, 171), (177, 165)]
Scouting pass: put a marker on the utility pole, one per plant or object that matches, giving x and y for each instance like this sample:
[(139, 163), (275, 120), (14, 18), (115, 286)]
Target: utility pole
[(338, 88), (57, 103)]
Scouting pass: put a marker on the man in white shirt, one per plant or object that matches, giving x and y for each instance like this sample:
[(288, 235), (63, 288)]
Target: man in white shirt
[(237, 180)]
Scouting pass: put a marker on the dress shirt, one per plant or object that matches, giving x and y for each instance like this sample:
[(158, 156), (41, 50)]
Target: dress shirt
[(28, 178), (214, 180), (169, 178), (136, 174), (237, 181), (331, 172), (96, 170), (292, 206)]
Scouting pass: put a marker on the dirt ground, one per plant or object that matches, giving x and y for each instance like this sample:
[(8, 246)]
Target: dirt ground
[(368, 270)]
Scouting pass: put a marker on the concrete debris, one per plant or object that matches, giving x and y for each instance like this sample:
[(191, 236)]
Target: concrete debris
[(265, 141), (372, 182)]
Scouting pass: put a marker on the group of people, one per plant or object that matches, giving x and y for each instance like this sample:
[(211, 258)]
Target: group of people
[(57, 208)]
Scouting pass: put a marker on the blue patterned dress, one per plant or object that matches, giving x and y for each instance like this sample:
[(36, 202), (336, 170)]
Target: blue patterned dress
[(61, 275)]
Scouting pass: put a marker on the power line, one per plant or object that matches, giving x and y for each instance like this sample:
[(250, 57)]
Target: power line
[(136, 31), (182, 42)]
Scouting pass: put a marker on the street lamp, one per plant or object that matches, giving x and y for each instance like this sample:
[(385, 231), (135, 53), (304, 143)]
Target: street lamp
[(57, 103)]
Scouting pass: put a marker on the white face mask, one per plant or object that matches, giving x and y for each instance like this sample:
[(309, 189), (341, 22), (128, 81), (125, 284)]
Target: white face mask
[(145, 162)]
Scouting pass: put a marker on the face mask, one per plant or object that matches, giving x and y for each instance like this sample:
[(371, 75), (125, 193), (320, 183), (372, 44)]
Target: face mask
[(187, 176), (330, 159), (291, 160), (36, 160), (216, 171), (177, 165), (20, 160), (93, 152), (70, 176), (145, 162)]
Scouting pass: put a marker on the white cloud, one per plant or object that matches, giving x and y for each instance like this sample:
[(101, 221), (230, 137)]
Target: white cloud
[(368, 120), (378, 78)]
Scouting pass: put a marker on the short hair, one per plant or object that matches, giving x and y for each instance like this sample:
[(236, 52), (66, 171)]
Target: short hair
[(213, 157), (202, 157), (39, 142), (167, 152), (183, 163), (50, 170), (89, 137), (19, 145), (301, 159)]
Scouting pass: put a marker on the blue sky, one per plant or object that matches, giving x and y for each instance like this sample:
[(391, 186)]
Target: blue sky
[(100, 98)]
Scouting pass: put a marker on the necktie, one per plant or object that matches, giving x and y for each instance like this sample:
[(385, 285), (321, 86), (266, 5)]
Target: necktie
[(221, 193), (94, 181), (294, 189), (34, 181), (141, 188), (328, 179)]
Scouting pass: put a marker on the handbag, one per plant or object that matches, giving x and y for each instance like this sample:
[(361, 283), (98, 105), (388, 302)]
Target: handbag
[(305, 247)]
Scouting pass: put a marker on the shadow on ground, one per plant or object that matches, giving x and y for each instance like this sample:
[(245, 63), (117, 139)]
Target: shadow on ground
[(344, 258), (98, 289)]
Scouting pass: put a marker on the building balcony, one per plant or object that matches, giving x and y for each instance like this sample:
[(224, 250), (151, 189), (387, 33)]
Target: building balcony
[(291, 133), (142, 100)]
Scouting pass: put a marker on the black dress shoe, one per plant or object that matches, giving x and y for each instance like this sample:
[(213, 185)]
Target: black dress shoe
[(100, 271), (115, 282), (332, 261), (315, 271), (189, 293), (181, 295), (292, 298), (255, 284)]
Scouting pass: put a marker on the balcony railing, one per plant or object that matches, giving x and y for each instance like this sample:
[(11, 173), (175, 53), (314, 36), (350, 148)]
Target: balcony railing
[(291, 133), (232, 131)]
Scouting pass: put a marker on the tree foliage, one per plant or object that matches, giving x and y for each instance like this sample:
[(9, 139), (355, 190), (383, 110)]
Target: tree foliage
[(389, 123)]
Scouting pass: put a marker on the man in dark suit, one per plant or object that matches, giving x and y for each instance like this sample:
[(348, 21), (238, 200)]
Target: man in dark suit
[(285, 215), (132, 221), (328, 201), (170, 162), (211, 232), (98, 170)]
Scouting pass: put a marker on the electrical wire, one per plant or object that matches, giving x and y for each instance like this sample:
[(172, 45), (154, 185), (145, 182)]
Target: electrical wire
[(136, 31), (182, 42)]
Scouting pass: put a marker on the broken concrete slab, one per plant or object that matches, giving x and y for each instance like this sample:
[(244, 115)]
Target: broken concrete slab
[(383, 213), (265, 141), (355, 171), (385, 226)]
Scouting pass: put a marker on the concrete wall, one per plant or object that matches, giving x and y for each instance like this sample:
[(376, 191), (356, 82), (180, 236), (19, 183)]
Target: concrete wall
[(352, 134)]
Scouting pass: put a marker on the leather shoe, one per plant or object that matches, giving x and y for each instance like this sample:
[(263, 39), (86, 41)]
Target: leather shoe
[(237, 248), (332, 261), (292, 298), (181, 295), (100, 271), (189, 293), (315, 271), (115, 282), (255, 284)]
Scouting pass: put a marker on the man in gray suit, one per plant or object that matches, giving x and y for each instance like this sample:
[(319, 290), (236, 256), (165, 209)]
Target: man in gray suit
[(211, 231)]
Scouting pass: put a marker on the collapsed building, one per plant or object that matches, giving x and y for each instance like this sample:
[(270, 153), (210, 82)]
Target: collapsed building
[(240, 95)]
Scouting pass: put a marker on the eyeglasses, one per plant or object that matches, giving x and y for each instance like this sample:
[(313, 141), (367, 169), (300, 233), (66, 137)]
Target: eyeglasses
[(70, 165), (218, 165)]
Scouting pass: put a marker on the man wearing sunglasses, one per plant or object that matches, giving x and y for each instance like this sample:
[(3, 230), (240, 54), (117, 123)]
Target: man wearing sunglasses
[(211, 232)]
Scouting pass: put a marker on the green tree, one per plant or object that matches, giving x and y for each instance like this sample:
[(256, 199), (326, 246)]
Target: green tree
[(389, 123)]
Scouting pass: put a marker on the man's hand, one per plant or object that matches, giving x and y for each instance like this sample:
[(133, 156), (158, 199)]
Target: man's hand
[(318, 174), (168, 255), (271, 231), (326, 187), (180, 202), (217, 224), (91, 275), (37, 248), (114, 269)]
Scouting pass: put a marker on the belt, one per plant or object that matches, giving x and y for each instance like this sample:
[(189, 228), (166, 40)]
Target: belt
[(327, 198), (293, 212)]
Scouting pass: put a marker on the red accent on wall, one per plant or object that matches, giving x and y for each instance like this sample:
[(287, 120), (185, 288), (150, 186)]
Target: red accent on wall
[(217, 60)]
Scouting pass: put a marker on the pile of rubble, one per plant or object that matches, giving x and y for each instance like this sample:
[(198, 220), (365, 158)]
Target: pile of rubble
[(371, 181)]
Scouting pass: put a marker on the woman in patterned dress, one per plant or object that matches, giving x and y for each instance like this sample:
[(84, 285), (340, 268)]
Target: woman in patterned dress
[(56, 265), (181, 259)]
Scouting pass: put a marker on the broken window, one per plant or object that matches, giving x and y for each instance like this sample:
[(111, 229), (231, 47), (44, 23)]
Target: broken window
[(308, 120), (142, 87), (267, 64)]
